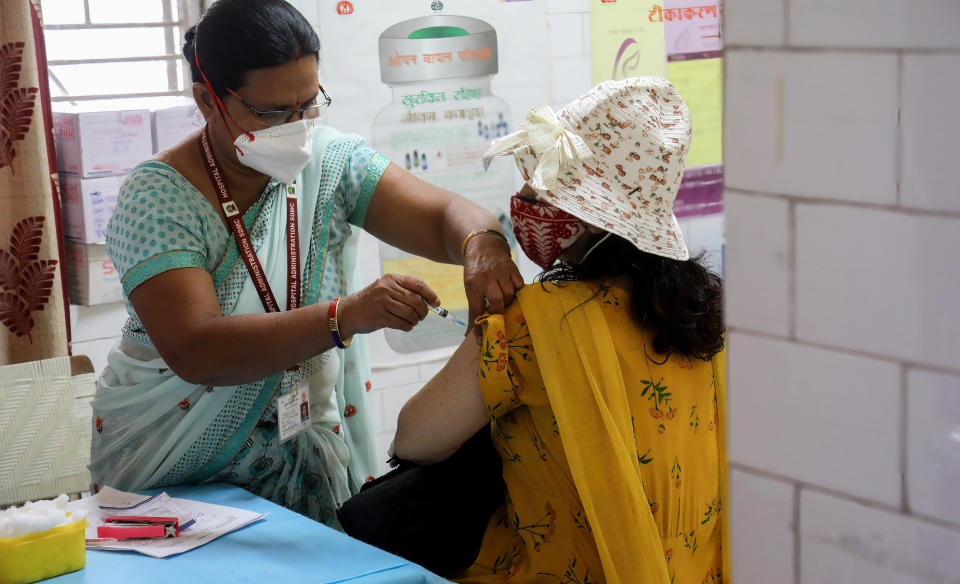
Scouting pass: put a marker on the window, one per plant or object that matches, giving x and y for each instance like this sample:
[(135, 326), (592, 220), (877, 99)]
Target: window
[(122, 51)]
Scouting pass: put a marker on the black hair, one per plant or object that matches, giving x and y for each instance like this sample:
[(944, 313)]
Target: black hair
[(237, 36), (680, 303)]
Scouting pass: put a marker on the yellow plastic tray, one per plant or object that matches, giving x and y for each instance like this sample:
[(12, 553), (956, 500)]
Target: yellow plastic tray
[(43, 554)]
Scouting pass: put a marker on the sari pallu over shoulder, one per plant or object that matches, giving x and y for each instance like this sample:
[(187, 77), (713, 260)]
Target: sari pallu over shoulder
[(584, 383)]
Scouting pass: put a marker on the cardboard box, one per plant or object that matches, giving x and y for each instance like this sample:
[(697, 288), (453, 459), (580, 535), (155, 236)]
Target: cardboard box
[(87, 205), (92, 144), (91, 277), (170, 125)]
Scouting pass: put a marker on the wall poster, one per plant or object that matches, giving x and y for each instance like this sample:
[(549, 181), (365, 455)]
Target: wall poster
[(431, 84)]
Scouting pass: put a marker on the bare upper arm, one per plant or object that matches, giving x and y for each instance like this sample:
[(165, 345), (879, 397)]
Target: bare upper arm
[(449, 409), (404, 208), (170, 305)]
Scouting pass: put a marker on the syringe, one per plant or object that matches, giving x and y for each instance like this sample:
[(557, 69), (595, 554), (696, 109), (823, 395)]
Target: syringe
[(446, 314)]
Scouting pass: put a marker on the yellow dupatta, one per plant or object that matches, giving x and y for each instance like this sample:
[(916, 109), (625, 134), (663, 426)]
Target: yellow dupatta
[(580, 370), (720, 378)]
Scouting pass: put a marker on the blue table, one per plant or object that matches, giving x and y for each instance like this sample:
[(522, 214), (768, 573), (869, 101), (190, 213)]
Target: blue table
[(284, 547)]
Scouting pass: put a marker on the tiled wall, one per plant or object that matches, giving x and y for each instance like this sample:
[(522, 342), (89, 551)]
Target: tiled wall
[(843, 287)]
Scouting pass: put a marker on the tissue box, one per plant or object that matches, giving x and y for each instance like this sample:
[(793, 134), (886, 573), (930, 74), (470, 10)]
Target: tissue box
[(42, 555), (170, 125), (92, 144), (87, 206), (91, 276)]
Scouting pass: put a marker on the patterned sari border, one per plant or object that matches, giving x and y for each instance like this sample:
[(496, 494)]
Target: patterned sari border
[(375, 168), (158, 264), (335, 157), (230, 259), (234, 445)]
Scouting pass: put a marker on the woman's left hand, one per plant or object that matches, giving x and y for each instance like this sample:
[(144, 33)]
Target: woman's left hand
[(489, 275)]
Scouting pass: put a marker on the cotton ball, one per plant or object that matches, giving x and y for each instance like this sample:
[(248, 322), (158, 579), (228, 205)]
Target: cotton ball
[(34, 516)]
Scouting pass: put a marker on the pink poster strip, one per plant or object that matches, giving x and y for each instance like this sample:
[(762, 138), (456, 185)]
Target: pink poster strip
[(701, 192), (691, 28)]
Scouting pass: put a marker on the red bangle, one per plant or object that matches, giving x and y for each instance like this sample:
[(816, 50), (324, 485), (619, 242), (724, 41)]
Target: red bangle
[(335, 326)]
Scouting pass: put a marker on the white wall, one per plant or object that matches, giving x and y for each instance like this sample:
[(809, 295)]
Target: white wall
[(842, 286)]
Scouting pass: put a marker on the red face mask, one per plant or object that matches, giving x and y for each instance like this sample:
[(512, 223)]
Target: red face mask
[(543, 231)]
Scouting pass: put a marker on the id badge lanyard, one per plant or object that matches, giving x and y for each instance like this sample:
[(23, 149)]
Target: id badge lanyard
[(242, 236), (295, 415)]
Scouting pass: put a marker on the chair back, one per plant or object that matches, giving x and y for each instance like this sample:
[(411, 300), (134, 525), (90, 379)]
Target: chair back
[(45, 428)]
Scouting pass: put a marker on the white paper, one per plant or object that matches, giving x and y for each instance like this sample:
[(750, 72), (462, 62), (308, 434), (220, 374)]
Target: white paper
[(200, 523)]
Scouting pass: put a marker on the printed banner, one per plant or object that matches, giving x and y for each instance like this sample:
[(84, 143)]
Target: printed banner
[(626, 39), (700, 82), (692, 29), (701, 192), (431, 85)]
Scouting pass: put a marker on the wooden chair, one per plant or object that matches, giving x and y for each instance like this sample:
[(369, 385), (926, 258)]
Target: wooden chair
[(45, 428)]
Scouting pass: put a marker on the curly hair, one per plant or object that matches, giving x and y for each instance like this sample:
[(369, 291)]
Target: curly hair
[(680, 303)]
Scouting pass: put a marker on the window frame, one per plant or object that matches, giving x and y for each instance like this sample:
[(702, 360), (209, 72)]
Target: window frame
[(188, 12)]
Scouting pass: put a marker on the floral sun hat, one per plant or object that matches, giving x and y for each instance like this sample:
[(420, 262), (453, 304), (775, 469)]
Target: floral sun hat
[(613, 158)]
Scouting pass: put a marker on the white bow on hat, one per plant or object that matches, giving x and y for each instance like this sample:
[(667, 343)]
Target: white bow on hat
[(555, 146)]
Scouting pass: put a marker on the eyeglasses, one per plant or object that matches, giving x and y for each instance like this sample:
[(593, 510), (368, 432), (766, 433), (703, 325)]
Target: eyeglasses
[(277, 117)]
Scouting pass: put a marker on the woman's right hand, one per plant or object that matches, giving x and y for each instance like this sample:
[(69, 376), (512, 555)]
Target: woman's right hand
[(392, 301)]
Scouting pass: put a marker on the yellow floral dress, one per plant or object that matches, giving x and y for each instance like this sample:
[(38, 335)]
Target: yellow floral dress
[(611, 452)]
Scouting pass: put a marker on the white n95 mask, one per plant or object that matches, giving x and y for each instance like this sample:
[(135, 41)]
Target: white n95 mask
[(281, 151)]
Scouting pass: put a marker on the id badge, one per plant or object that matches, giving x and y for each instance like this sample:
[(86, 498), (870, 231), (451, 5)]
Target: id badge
[(293, 411)]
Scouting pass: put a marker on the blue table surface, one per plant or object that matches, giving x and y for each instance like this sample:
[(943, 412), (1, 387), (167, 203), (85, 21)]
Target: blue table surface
[(283, 547)]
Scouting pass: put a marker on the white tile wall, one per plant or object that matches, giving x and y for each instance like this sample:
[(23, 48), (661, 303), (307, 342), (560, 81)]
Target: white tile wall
[(754, 22), (429, 369), (758, 274), (817, 416), (705, 234), (393, 399), (933, 444), (558, 6), (930, 179), (376, 402), (763, 528), (97, 351), (566, 34), (571, 78), (385, 378), (821, 121), (99, 321), (585, 19), (382, 442), (875, 23), (879, 281), (846, 542), (820, 124)]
